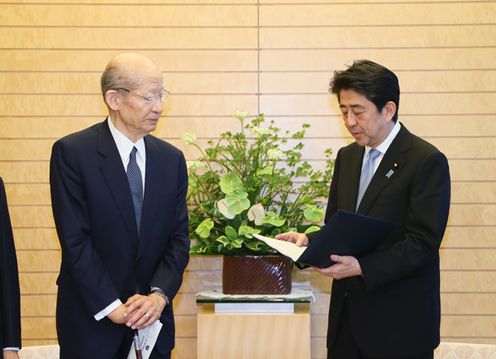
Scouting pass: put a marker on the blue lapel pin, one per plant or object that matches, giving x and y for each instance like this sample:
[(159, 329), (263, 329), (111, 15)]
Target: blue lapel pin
[(391, 171)]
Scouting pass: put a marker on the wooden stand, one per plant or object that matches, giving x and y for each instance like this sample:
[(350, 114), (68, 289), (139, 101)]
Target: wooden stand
[(253, 335)]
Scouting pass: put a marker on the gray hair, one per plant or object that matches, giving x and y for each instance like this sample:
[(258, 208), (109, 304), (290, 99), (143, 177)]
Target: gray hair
[(114, 78)]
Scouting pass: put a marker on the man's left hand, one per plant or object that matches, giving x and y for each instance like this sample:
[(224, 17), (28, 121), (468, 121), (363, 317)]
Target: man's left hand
[(344, 267), (142, 311)]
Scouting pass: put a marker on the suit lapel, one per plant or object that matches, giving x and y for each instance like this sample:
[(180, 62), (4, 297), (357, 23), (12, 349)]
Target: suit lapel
[(353, 176), (154, 182), (385, 173), (116, 179)]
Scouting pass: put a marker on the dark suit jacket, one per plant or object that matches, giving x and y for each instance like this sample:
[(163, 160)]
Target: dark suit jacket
[(395, 308), (10, 322), (102, 257)]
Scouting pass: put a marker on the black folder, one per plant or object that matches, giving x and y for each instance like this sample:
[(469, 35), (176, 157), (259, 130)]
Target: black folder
[(346, 233)]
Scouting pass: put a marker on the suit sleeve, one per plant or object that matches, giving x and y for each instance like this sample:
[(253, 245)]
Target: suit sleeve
[(333, 196), (9, 280), (86, 269), (332, 205), (169, 273), (427, 215)]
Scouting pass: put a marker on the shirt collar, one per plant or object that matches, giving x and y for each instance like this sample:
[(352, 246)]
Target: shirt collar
[(124, 144), (384, 145)]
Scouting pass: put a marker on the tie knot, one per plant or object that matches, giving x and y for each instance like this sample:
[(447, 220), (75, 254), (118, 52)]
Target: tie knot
[(373, 154)]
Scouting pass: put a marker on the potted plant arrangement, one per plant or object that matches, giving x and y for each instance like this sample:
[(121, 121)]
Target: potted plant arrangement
[(253, 181)]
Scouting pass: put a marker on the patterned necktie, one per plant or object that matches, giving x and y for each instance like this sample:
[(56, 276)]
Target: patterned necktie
[(367, 173), (136, 184)]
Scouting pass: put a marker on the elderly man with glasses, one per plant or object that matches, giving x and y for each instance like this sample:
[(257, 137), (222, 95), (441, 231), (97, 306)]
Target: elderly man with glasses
[(119, 202)]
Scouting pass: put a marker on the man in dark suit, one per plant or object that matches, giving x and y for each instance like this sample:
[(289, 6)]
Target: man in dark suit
[(385, 304), (119, 203), (10, 322)]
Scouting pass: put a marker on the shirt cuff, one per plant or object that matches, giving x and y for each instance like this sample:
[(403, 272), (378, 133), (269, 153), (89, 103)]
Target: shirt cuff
[(14, 349), (109, 309)]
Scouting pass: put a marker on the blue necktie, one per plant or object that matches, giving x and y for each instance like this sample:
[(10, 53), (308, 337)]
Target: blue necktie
[(136, 184), (367, 173)]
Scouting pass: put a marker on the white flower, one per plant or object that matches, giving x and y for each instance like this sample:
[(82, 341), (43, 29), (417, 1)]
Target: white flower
[(256, 213), (241, 115), (274, 154), (260, 131), (189, 138), (222, 207)]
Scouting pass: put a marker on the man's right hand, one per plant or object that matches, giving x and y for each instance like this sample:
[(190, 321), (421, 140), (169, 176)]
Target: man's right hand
[(117, 315), (300, 239)]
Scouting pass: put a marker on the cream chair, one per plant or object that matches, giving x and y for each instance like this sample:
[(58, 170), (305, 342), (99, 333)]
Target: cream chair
[(449, 350), (40, 352), (446, 350)]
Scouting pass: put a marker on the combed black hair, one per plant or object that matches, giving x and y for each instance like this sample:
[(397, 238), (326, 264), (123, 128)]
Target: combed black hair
[(377, 83)]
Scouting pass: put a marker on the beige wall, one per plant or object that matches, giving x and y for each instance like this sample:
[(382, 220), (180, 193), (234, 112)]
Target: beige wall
[(276, 57)]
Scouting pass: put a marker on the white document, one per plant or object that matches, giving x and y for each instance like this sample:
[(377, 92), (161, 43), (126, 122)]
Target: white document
[(147, 338), (288, 249)]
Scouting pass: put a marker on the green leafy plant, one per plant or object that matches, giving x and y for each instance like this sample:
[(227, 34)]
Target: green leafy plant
[(252, 182)]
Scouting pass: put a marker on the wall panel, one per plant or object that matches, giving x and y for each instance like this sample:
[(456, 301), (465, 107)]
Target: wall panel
[(148, 2), (341, 2), (91, 105), (470, 237), (31, 216), (24, 172), (377, 37), (472, 214), (376, 14), (121, 38), (416, 58), (132, 15), (38, 283), (272, 56), (443, 81), (95, 60), (36, 238), (89, 83), (38, 304), (413, 103)]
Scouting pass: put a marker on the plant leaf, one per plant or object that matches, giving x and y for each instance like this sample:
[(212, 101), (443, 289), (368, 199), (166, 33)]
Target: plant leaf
[(230, 183), (238, 243), (254, 246), (223, 240), (312, 229), (313, 213), (247, 231), (273, 219), (203, 229), (237, 202), (231, 233), (264, 171), (223, 208)]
